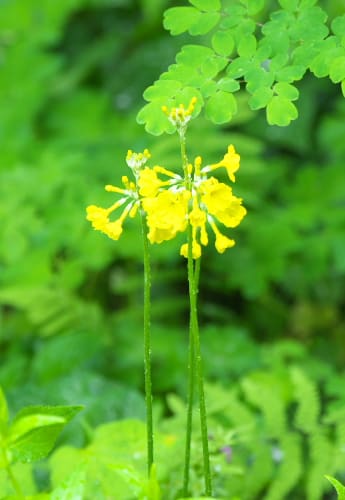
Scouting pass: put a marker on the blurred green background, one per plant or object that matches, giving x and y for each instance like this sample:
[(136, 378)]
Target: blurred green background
[(72, 74)]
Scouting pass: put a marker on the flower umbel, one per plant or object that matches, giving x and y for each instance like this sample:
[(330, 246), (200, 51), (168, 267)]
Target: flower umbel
[(203, 201), (180, 116)]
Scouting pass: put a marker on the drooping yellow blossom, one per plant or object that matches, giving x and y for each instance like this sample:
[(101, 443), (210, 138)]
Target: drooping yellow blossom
[(231, 162), (100, 217), (200, 200)]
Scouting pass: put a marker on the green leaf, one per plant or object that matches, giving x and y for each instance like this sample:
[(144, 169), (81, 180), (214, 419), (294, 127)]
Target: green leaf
[(290, 73), (206, 5), (228, 84), (204, 23), (155, 121), (194, 55), (343, 87), (260, 98), (257, 78), (289, 5), (179, 19), (34, 430), (253, 6), (281, 111), (234, 16), (221, 107), (337, 70), (238, 67), (3, 411), (223, 42), (284, 89), (246, 46), (212, 66), (209, 88), (327, 53), (340, 489), (338, 25), (162, 88), (72, 488)]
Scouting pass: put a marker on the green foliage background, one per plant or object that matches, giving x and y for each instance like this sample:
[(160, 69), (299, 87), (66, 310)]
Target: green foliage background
[(72, 75)]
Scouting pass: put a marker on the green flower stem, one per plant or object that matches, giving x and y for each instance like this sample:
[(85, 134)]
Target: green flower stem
[(147, 343), (193, 292), (194, 356), (11, 476), (190, 401)]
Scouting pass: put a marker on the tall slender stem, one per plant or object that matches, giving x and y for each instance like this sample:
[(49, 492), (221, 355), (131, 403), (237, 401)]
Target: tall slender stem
[(194, 355), (193, 291), (147, 343), (11, 476)]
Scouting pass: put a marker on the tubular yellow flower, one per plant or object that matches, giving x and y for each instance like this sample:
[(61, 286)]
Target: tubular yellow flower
[(99, 217), (231, 162)]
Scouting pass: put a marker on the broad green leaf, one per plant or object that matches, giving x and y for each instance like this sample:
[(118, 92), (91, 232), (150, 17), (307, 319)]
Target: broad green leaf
[(253, 6), (3, 411), (204, 23), (257, 77), (228, 84), (213, 65), (34, 430), (340, 489), (194, 55), (72, 488), (289, 5), (290, 73), (327, 53), (246, 46), (284, 89), (260, 98), (206, 5), (238, 67), (281, 111), (337, 69), (338, 25), (221, 107), (234, 16), (161, 89), (179, 19), (209, 88), (310, 25), (223, 42), (307, 3)]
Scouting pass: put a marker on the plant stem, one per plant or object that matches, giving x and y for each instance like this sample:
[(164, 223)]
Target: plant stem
[(147, 342), (11, 476), (194, 355), (193, 291)]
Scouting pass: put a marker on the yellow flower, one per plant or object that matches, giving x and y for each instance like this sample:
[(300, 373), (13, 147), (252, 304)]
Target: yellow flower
[(231, 162), (99, 217), (180, 116), (199, 200), (167, 214)]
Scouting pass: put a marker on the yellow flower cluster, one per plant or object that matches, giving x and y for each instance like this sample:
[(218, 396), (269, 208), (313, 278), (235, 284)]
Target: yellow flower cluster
[(202, 201), (172, 202)]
